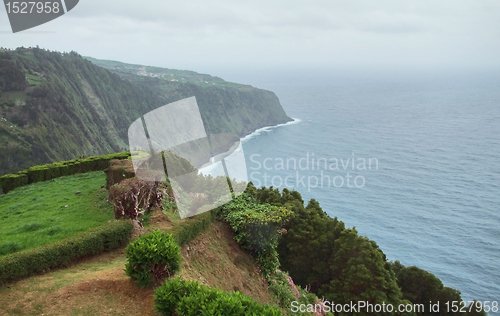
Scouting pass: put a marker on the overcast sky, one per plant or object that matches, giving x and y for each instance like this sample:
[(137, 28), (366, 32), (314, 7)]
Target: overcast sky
[(203, 35)]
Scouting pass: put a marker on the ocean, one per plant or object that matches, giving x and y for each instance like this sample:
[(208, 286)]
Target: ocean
[(411, 159)]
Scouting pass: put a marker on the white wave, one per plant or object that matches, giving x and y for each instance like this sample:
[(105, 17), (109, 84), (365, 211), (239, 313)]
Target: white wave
[(240, 173), (268, 129), (235, 163)]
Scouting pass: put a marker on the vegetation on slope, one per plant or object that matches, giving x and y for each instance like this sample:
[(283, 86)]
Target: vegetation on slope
[(77, 110), (225, 107), (280, 232), (347, 267), (58, 106), (213, 259), (131, 71)]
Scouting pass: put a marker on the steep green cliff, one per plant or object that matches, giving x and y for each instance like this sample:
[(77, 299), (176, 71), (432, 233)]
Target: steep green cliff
[(224, 106), (57, 106)]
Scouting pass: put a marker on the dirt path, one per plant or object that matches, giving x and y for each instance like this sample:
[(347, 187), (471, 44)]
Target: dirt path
[(92, 287)]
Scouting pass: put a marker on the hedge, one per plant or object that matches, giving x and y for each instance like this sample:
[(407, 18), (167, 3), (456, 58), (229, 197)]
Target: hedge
[(58, 254), (117, 171), (92, 242), (58, 169), (178, 297), (12, 181), (192, 227)]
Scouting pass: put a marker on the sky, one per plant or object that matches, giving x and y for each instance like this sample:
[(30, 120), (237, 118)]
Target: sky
[(205, 35)]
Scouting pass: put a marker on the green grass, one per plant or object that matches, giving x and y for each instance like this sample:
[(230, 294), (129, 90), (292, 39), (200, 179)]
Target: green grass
[(33, 80), (46, 212), (14, 96), (182, 76)]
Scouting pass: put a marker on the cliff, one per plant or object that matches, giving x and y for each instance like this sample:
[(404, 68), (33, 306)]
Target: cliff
[(57, 106)]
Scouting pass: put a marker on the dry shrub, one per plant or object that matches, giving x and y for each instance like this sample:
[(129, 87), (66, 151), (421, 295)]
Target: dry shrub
[(133, 197)]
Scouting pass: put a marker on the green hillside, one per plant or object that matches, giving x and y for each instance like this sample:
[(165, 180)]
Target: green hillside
[(244, 246), (172, 75), (58, 106), (226, 107)]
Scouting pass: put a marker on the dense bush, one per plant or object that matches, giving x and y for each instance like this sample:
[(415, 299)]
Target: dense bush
[(11, 78), (152, 258), (94, 241), (177, 297), (34, 174), (258, 228), (168, 295), (422, 287), (346, 266)]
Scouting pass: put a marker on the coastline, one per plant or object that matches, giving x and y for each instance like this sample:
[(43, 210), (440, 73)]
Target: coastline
[(259, 131), (245, 138)]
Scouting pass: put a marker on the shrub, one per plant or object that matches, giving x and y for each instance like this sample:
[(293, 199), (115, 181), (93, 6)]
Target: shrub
[(282, 289), (133, 197), (94, 241), (168, 295), (152, 258), (177, 297), (285, 291), (258, 228)]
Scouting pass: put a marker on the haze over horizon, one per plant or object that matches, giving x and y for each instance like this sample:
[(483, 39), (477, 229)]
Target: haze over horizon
[(222, 34)]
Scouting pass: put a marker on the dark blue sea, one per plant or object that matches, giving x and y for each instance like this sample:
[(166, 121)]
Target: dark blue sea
[(425, 183)]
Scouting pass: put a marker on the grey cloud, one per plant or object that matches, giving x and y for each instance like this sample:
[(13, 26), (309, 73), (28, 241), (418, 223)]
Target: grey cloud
[(268, 32)]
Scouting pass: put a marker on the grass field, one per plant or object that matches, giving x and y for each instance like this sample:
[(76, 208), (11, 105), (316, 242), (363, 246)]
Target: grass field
[(33, 80), (13, 96), (49, 211)]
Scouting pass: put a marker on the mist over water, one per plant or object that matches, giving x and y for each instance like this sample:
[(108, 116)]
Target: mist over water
[(433, 201)]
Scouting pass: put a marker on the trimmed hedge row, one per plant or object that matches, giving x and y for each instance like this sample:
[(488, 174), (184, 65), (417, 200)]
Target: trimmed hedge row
[(192, 227), (58, 254), (118, 171), (46, 172)]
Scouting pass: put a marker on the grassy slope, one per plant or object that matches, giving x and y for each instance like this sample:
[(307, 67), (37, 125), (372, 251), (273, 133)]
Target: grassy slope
[(99, 286), (176, 75), (49, 211)]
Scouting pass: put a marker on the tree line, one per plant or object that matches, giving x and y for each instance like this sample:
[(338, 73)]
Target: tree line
[(338, 264)]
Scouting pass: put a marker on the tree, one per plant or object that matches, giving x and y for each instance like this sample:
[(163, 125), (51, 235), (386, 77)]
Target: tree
[(359, 272), (420, 287), (12, 79), (310, 234), (447, 294)]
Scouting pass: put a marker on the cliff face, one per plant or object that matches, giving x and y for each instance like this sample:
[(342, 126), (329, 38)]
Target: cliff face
[(58, 106), (225, 107), (232, 110)]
